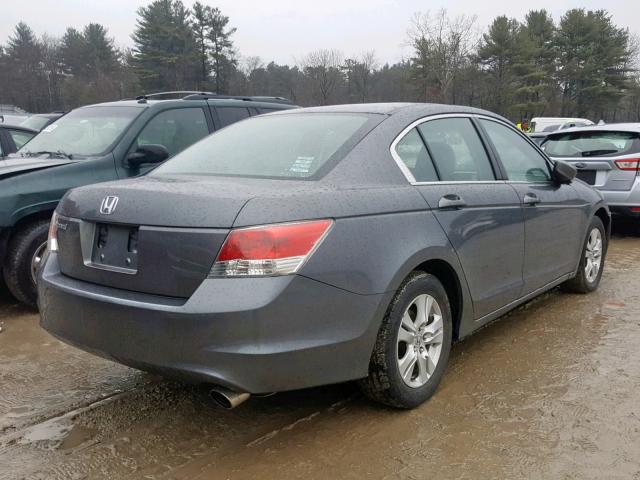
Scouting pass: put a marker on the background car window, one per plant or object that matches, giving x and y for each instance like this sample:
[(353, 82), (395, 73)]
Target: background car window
[(175, 129), (414, 155), (229, 115), (20, 138), (521, 160), (456, 150), (262, 110), (591, 144)]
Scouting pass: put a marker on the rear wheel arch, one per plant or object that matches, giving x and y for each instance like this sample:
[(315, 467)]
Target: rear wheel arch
[(450, 280)]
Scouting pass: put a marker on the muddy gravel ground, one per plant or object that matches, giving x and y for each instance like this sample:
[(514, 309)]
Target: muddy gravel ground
[(550, 391)]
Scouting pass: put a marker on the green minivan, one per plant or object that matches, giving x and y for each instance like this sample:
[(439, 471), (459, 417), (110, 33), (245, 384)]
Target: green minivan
[(99, 143)]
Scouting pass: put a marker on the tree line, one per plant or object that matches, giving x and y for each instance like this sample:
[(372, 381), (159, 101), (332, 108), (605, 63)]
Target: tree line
[(583, 65)]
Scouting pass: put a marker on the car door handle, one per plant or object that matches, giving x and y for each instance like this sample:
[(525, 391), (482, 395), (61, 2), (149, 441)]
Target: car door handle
[(530, 199), (451, 201)]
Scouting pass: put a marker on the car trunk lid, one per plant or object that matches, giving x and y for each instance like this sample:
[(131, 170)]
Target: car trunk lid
[(160, 236)]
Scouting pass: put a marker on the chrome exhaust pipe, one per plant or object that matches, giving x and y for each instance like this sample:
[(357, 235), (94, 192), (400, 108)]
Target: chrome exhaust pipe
[(228, 399)]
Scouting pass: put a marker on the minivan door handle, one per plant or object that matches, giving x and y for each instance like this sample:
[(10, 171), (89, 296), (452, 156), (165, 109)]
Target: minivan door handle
[(451, 200), (530, 199)]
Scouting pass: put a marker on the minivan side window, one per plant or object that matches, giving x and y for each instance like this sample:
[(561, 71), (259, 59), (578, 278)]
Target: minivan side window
[(175, 129), (229, 115), (456, 150), (414, 155), (522, 162)]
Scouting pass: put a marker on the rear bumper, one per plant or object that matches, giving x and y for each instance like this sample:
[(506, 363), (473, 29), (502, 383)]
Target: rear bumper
[(621, 202), (252, 334)]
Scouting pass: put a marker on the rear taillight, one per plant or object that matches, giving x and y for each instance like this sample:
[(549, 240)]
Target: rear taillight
[(632, 164), (52, 241), (279, 249)]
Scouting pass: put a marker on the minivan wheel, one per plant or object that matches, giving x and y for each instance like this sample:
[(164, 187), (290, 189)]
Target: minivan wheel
[(22, 261), (413, 344), (592, 260)]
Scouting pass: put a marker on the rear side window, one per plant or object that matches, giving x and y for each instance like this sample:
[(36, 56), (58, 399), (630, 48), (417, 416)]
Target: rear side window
[(414, 155), (20, 138), (229, 115), (592, 144), (262, 110), (175, 129), (522, 162), (273, 146), (456, 150)]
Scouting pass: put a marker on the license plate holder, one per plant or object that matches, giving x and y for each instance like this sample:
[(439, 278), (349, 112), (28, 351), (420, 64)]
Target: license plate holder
[(588, 176), (115, 247)]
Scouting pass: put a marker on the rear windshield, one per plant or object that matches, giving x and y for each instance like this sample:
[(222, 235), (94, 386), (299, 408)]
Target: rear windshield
[(591, 144), (274, 146)]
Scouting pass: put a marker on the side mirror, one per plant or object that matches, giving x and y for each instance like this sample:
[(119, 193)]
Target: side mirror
[(147, 154), (563, 172)]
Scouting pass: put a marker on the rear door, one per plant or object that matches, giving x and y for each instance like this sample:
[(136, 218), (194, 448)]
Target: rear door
[(448, 163), (599, 156), (554, 214)]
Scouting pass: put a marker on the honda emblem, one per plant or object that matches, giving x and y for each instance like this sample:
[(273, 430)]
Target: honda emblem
[(108, 205)]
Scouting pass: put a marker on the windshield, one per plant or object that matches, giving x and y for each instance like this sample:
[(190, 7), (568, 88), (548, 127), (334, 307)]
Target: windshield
[(85, 132), (591, 144), (276, 146), (35, 122)]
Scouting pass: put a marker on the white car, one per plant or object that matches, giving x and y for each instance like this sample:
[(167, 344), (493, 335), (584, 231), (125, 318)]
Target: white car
[(540, 124)]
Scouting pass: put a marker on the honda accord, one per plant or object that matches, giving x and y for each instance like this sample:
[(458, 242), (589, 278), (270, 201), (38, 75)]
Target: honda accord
[(320, 245)]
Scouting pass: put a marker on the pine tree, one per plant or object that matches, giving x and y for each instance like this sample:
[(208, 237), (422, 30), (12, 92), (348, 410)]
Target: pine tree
[(221, 49), (498, 53), (165, 51)]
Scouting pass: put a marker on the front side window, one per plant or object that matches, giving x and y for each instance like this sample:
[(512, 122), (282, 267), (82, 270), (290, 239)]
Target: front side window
[(414, 155), (229, 115), (522, 162), (88, 131), (275, 146), (456, 150), (20, 138), (175, 129)]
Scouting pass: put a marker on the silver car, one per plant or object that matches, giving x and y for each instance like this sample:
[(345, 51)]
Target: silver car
[(607, 157)]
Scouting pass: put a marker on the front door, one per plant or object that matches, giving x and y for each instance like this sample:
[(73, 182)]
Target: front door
[(553, 213)]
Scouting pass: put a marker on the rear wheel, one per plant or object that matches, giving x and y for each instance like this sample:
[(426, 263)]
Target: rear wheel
[(592, 260), (23, 258), (412, 349)]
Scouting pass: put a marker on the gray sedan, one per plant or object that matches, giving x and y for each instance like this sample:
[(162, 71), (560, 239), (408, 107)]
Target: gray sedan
[(320, 245)]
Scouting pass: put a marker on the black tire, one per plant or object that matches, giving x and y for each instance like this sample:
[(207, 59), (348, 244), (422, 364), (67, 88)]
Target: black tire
[(384, 383), (580, 283), (17, 264)]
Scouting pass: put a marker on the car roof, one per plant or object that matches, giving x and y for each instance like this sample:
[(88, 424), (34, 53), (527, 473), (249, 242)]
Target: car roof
[(171, 103), (415, 109), (608, 127)]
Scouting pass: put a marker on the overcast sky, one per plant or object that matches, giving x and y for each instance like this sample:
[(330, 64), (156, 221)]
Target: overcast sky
[(283, 30)]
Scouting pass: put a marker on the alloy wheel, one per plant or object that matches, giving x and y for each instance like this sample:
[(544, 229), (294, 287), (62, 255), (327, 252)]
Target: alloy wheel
[(419, 341), (36, 261), (593, 255)]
